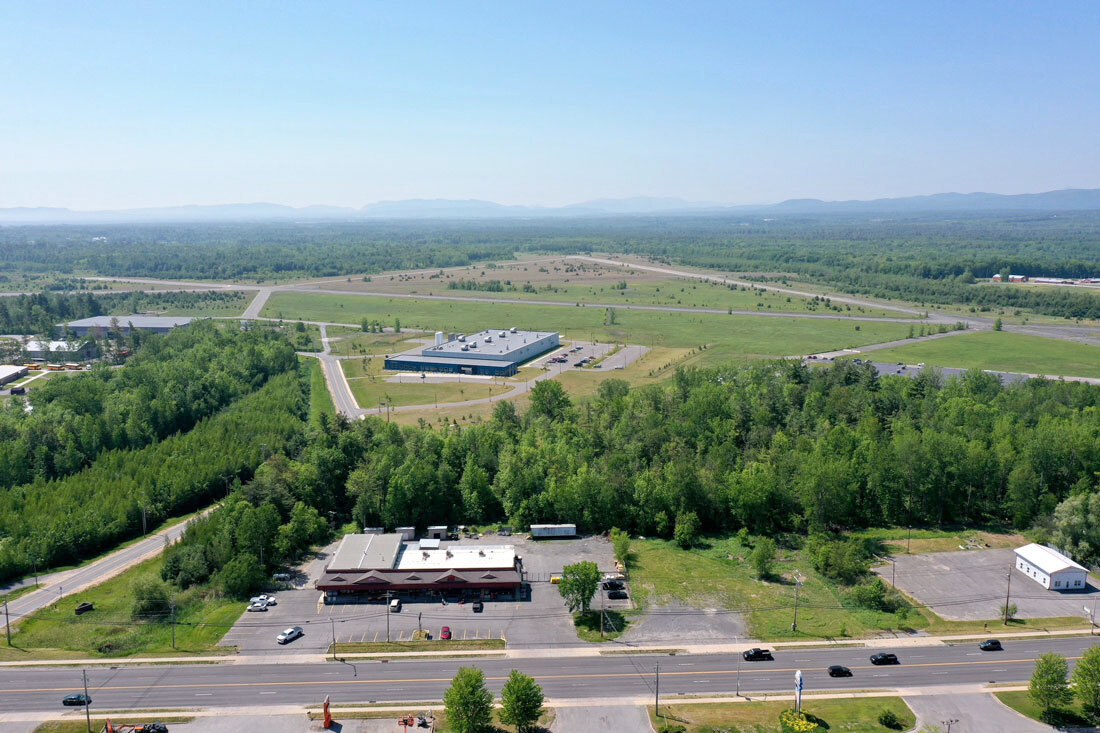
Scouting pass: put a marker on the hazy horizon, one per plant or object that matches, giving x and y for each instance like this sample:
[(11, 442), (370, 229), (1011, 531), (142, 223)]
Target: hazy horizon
[(130, 106)]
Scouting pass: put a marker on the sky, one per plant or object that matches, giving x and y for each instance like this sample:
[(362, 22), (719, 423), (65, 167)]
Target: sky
[(125, 105)]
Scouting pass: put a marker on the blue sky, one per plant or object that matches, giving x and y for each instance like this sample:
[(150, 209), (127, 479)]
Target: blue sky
[(114, 105)]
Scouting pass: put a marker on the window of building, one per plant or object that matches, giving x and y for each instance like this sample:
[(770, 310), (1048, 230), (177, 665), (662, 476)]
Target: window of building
[(1057, 584)]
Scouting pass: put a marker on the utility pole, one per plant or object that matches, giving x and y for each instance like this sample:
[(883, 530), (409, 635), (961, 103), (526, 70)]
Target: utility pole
[(87, 701), (36, 572), (172, 602), (909, 539), (388, 594), (1008, 590), (333, 622), (893, 570), (657, 691), (7, 622), (797, 587), (143, 527)]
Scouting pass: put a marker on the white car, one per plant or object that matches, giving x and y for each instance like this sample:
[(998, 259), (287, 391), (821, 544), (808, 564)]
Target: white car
[(257, 607), (258, 599), (289, 635), (269, 600)]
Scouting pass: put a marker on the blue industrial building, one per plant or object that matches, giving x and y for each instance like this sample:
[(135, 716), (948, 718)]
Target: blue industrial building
[(488, 353)]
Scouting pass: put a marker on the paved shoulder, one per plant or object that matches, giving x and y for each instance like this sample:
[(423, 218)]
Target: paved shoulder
[(975, 713), (608, 719)]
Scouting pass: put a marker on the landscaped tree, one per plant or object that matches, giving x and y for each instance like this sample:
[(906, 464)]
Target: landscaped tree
[(1048, 688), (1008, 611), (521, 702), (549, 400), (620, 543), (468, 703), (686, 533), (762, 557), (579, 583), (1086, 681)]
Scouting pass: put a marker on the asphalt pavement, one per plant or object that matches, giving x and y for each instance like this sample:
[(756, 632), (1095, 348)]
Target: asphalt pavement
[(625, 675)]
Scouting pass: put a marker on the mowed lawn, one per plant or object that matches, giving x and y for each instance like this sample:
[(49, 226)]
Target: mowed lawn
[(733, 335), (1001, 351), (110, 629), (847, 716), (718, 575), (369, 394)]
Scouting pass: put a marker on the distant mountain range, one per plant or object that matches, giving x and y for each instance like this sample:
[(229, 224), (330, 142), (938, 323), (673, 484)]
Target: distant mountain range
[(1071, 199)]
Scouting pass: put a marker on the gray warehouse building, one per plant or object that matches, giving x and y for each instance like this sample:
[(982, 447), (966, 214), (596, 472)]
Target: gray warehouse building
[(100, 325), (491, 352)]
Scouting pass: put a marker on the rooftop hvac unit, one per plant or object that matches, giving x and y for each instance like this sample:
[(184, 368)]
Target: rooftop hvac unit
[(449, 553), (503, 334), (465, 347), (461, 337), (473, 344), (512, 329), (438, 338), (488, 339), (452, 336)]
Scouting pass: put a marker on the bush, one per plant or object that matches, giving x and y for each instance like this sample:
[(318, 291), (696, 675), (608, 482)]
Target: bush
[(845, 560), (150, 599), (686, 533), (762, 557), (889, 719), (791, 721)]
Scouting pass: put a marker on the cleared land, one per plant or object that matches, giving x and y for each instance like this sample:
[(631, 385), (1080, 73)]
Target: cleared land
[(1002, 351), (1021, 702), (320, 400), (727, 336), (111, 631), (850, 716), (368, 391)]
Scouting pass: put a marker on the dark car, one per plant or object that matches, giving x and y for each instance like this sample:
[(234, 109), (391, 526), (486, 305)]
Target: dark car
[(613, 585), (83, 608), (77, 699), (990, 645), (617, 595), (884, 658), (478, 606), (757, 655), (151, 728), (838, 671), (445, 632)]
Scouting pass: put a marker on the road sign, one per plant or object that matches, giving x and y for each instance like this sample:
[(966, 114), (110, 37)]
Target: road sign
[(798, 690)]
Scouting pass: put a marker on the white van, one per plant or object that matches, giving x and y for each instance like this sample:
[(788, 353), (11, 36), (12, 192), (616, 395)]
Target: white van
[(395, 605)]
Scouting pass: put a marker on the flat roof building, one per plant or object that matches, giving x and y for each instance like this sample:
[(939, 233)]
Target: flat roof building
[(492, 352), (11, 372), (1050, 568), (101, 325), (374, 564), (79, 350)]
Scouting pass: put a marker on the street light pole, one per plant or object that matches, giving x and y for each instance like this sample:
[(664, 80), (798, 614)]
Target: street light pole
[(87, 701), (1008, 590), (333, 622)]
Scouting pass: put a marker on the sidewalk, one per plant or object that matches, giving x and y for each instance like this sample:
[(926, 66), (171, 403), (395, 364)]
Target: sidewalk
[(591, 650)]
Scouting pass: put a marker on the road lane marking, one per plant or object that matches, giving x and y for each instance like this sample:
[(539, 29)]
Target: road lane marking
[(426, 680)]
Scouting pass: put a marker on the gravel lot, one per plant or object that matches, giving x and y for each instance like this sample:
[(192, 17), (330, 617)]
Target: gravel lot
[(947, 581), (538, 620)]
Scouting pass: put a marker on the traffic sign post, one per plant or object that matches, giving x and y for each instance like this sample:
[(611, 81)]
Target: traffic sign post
[(798, 691)]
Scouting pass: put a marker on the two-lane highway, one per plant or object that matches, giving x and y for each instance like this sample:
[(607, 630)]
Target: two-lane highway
[(628, 676)]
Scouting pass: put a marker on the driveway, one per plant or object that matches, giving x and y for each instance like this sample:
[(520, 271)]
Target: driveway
[(971, 585), (975, 713), (606, 719)]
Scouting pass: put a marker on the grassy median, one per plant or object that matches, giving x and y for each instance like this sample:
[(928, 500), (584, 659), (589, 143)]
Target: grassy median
[(855, 715)]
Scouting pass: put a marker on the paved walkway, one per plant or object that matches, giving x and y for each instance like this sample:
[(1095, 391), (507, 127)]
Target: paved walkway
[(608, 719)]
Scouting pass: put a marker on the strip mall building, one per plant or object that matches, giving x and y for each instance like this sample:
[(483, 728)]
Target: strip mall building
[(368, 566)]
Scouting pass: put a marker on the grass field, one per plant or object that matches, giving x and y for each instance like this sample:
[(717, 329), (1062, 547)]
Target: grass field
[(231, 306), (717, 575), (369, 391), (588, 625), (356, 342), (109, 630), (739, 336), (1022, 703), (856, 715), (895, 540), (320, 399), (1003, 351)]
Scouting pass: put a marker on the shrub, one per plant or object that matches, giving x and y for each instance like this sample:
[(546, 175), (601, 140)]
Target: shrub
[(889, 719)]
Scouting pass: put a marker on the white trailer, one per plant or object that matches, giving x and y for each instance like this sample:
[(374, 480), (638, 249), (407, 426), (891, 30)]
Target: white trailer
[(544, 531)]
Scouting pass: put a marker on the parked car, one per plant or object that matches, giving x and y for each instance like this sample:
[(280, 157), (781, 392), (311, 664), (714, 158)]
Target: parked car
[(269, 600), (445, 632), (257, 607), (77, 699), (757, 655), (617, 595), (395, 605), (258, 601), (478, 606), (990, 645), (838, 671), (884, 658), (151, 728), (281, 577), (613, 585), (289, 635)]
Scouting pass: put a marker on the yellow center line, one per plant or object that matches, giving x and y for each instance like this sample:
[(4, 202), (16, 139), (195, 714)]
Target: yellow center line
[(591, 675)]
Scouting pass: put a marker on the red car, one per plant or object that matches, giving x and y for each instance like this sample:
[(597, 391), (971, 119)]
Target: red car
[(445, 632)]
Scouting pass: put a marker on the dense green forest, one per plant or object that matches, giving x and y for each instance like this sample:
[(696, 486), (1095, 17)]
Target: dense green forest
[(41, 313), (925, 258), (51, 523), (168, 385), (778, 449)]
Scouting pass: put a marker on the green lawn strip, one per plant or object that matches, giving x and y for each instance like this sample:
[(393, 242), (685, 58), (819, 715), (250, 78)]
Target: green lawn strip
[(110, 631), (718, 575), (431, 645), (441, 726), (1021, 702), (1002, 351), (939, 626), (320, 399), (850, 715), (368, 393), (588, 625), (746, 335), (12, 595), (81, 726)]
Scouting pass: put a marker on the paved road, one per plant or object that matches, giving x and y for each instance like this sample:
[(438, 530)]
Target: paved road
[(603, 719), (971, 713), (67, 582), (627, 676)]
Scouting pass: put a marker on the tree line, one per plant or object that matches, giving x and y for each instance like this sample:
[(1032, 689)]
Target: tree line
[(167, 386), (43, 313)]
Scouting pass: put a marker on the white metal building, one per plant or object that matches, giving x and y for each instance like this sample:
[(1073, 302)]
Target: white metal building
[(1050, 568), (542, 531)]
